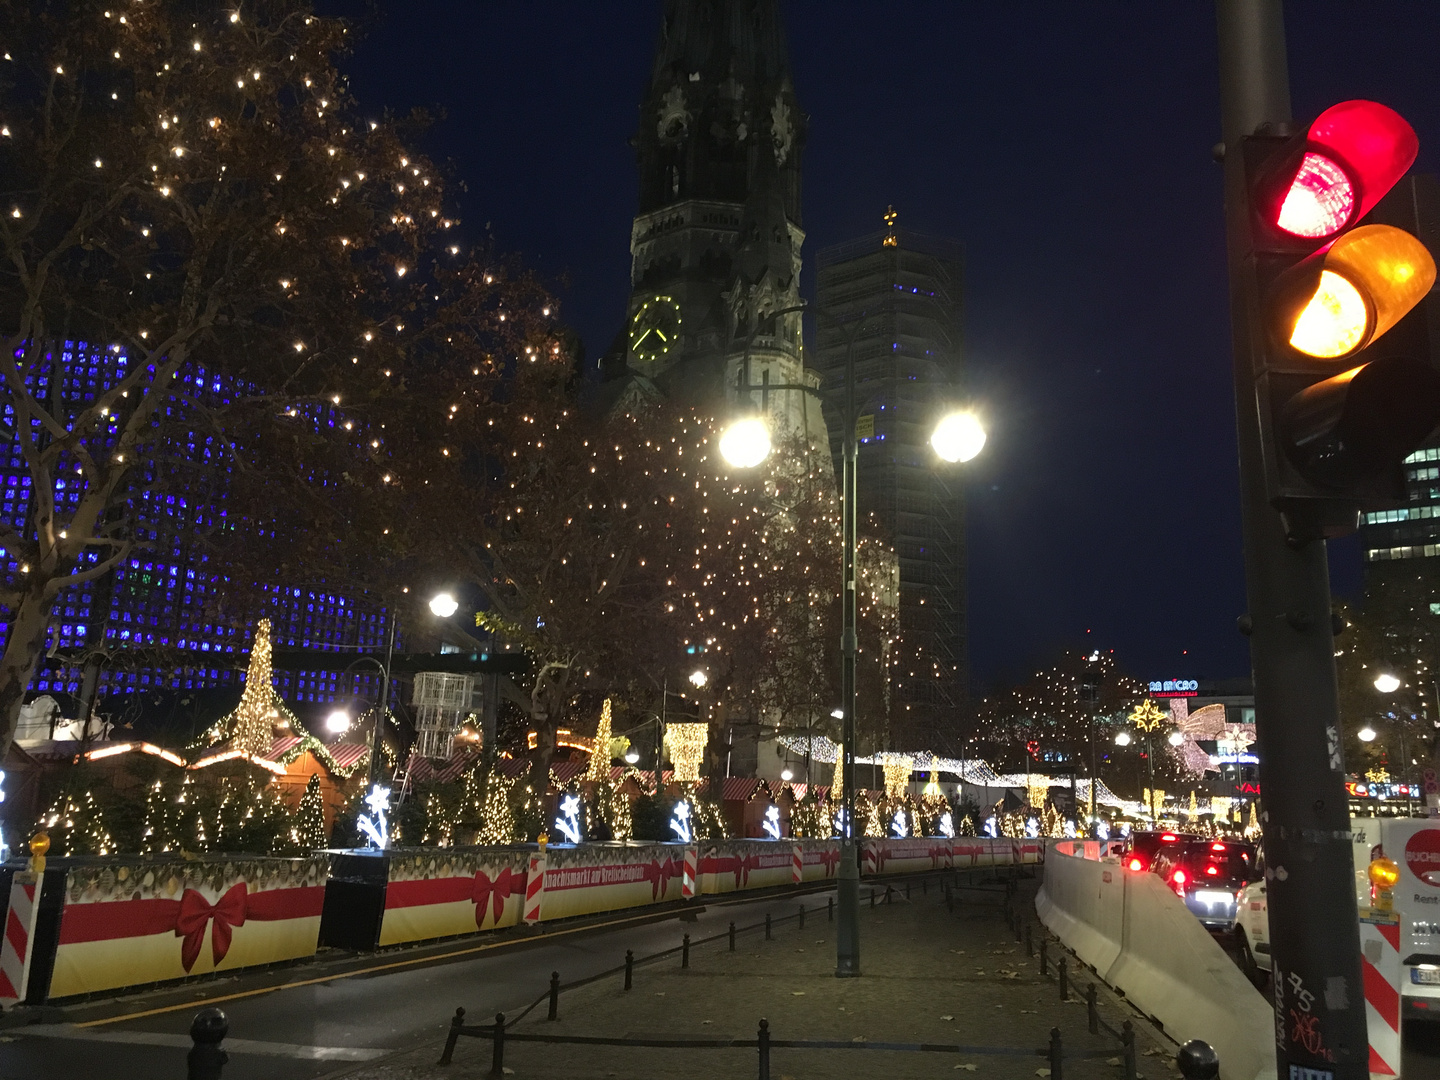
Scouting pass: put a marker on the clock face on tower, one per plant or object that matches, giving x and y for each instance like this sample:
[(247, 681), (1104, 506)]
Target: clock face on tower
[(655, 328)]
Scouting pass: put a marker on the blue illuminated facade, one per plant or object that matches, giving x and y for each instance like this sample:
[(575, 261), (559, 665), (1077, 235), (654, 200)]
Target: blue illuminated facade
[(163, 595)]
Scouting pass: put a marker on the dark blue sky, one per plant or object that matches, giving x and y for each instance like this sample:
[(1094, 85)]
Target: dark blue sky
[(1067, 146)]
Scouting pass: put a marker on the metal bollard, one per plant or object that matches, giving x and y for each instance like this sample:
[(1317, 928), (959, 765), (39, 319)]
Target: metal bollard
[(1198, 1061), (872, 897), (830, 910), (1127, 1039), (1045, 957), (450, 1040), (629, 967), (207, 1031), (925, 886), (907, 890), (1090, 996), (1064, 967), (949, 899), (685, 952), (732, 937), (554, 995), (1019, 921), (802, 916), (1029, 942), (763, 1038), (497, 1055), (889, 893), (1056, 1057), (767, 926)]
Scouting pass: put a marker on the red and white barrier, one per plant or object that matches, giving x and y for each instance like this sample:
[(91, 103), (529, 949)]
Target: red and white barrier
[(797, 863), (1380, 965), (534, 888), (134, 922), (444, 892), (15, 951), (690, 879)]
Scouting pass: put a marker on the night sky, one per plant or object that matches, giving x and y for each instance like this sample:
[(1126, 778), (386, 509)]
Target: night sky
[(1067, 146)]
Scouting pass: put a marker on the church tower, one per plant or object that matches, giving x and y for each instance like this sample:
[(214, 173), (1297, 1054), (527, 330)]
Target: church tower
[(716, 245)]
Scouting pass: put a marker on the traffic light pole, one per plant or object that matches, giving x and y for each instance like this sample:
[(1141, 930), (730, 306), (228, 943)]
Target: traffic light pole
[(1315, 947)]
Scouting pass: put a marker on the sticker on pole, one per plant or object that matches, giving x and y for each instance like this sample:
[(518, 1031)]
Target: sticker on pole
[(1422, 856)]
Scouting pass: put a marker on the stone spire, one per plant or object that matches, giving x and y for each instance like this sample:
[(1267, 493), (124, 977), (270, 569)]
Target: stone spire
[(720, 94)]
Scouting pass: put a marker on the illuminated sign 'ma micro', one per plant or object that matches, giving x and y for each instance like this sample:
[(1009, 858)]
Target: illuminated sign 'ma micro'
[(1175, 688)]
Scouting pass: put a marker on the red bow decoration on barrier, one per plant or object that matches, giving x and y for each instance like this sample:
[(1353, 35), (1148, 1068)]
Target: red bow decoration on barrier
[(937, 853), (743, 865), (659, 874), (507, 883), (830, 859), (882, 853), (196, 913)]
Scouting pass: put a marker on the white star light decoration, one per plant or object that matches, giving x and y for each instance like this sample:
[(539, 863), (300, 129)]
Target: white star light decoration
[(680, 823), (947, 826), (900, 824), (568, 822), (771, 823), (376, 829)]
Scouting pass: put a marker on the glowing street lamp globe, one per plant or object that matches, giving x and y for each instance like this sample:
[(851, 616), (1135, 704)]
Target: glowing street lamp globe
[(1176, 738), (443, 605), (1366, 734), (958, 437), (1386, 683), (338, 722), (746, 443), (1122, 738), (698, 679)]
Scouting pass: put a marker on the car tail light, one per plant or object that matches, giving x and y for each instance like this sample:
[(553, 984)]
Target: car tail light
[(1177, 880), (1217, 847), (1213, 871), (1169, 836), (1136, 864)]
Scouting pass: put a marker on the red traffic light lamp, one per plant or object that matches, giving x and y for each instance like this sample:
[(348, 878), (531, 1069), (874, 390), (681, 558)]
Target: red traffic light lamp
[(1326, 181)]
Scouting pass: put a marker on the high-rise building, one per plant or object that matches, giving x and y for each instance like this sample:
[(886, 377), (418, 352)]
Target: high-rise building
[(1402, 546), (154, 617), (895, 297), (715, 247)]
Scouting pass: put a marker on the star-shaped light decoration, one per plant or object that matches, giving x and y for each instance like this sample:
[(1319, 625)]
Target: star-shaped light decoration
[(1147, 717), (376, 829), (568, 823), (772, 823)]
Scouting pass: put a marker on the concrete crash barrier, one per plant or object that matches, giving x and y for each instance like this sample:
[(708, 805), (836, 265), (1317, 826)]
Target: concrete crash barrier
[(1141, 939), (107, 923)]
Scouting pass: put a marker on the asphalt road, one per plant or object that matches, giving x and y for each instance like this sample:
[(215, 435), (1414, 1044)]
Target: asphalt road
[(313, 1020)]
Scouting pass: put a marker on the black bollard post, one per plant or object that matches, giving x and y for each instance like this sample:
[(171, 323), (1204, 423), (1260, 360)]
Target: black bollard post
[(554, 995), (1045, 957), (450, 1040), (1198, 1061), (1056, 1057), (889, 894), (925, 886), (763, 1038), (1064, 967), (1029, 942), (767, 926), (685, 952), (1018, 923), (1090, 995), (872, 897), (802, 916), (907, 890), (830, 910), (949, 899), (1127, 1039), (732, 937), (207, 1031), (497, 1055), (629, 967)]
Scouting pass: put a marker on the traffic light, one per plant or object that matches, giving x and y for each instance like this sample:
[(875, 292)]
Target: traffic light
[(1344, 393)]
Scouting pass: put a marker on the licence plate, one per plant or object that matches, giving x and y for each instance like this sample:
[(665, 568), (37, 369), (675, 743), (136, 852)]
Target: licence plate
[(1425, 976), (1213, 898)]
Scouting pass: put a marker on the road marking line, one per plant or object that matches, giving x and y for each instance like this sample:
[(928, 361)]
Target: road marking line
[(234, 1046), (411, 962)]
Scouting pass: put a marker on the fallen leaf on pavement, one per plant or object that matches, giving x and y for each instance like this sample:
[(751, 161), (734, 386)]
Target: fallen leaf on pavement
[(1113, 1061), (797, 993), (1042, 1072), (858, 1038), (967, 1068), (707, 1021), (947, 1016)]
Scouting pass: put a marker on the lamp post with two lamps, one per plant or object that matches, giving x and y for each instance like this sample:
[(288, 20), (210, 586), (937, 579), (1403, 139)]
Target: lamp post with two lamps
[(745, 444), (1147, 718)]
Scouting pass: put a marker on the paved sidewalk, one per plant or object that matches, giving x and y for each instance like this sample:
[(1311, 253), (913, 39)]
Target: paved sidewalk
[(930, 976)]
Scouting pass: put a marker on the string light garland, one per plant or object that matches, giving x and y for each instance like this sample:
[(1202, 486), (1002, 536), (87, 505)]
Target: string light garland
[(685, 745), (251, 727)]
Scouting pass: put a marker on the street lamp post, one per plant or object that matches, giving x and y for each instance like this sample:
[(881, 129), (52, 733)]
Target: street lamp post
[(958, 437)]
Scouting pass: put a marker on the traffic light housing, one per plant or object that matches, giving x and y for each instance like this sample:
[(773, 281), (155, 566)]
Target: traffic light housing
[(1343, 374)]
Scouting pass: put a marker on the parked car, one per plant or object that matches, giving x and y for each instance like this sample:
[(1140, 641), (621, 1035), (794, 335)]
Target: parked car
[(1252, 927), (1209, 875), (1142, 847)]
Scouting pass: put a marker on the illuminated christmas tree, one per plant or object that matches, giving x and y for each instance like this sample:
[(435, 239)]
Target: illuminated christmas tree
[(157, 830), (310, 818), (497, 819), (251, 727), (600, 757)]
